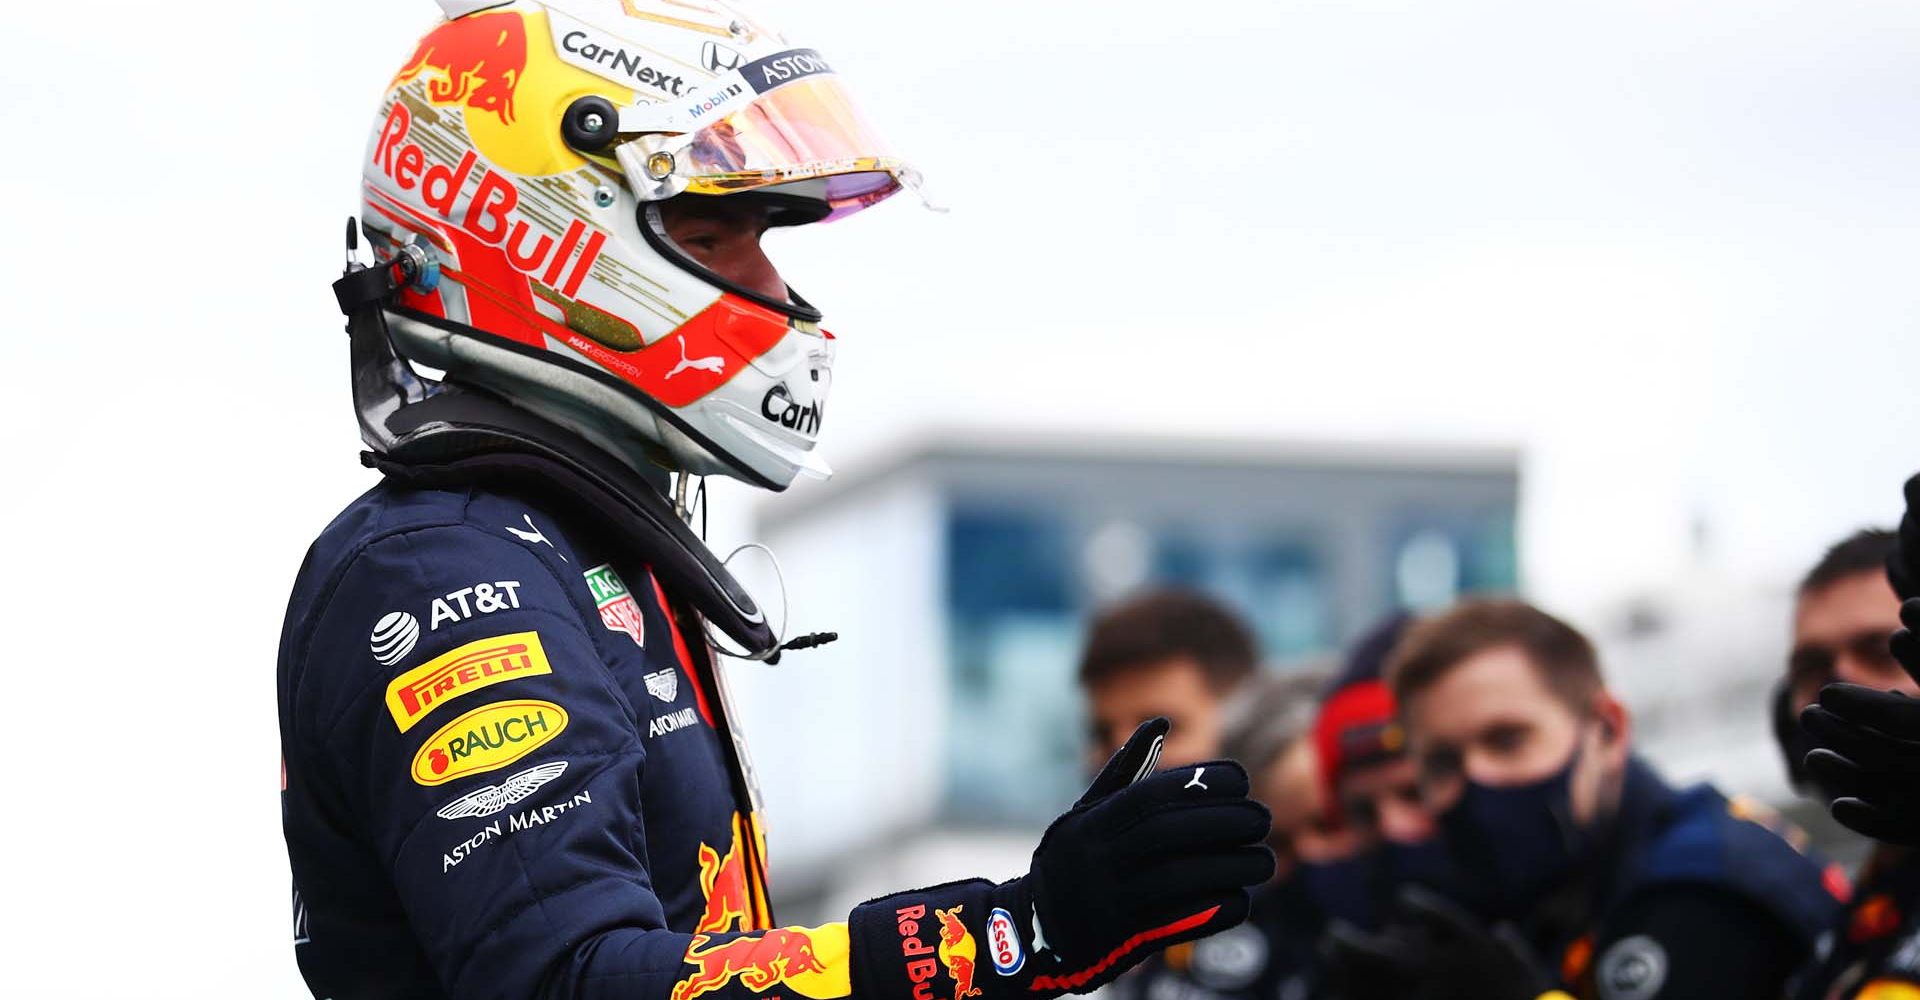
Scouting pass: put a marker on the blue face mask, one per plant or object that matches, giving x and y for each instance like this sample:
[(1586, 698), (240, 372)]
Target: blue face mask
[(1516, 843)]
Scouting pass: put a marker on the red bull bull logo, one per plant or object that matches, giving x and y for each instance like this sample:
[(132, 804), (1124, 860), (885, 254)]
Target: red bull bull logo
[(723, 879), (476, 60), (772, 958), (957, 952)]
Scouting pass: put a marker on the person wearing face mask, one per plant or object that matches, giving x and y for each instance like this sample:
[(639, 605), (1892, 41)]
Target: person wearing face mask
[(1376, 945), (1844, 613), (1373, 790), (1596, 877)]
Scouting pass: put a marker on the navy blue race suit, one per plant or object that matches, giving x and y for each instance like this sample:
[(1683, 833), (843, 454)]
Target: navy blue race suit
[(509, 772), (498, 739)]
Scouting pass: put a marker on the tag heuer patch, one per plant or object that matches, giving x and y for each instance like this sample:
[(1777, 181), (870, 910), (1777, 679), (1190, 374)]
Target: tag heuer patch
[(617, 608), (664, 685)]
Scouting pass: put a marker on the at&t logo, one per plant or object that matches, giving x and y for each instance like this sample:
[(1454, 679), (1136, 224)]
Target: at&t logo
[(393, 637)]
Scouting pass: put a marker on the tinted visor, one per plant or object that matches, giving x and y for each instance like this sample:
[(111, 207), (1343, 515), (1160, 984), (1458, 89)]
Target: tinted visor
[(807, 130)]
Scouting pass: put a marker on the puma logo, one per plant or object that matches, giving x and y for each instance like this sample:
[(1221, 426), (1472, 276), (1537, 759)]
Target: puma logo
[(1195, 782), (534, 536), (715, 363)]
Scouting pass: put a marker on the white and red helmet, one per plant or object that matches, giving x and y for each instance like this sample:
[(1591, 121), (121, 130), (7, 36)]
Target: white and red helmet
[(526, 147)]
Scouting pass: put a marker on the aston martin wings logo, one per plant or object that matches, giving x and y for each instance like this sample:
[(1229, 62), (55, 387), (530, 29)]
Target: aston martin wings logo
[(663, 684), (493, 798)]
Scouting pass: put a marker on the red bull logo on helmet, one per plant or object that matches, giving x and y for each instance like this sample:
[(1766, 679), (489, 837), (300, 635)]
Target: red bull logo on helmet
[(476, 61)]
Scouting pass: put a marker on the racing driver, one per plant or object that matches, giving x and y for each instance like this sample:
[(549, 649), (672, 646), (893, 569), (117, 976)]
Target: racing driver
[(510, 769)]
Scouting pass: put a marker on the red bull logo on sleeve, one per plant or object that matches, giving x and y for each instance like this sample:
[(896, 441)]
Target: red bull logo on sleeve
[(476, 60), (957, 952), (810, 961), (724, 881)]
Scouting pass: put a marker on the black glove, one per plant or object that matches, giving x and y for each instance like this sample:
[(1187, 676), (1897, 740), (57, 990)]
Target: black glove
[(1433, 949), (1868, 748), (1362, 965), (1903, 567), (1144, 860), (1470, 960)]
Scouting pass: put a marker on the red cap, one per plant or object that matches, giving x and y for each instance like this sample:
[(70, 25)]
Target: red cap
[(1357, 725)]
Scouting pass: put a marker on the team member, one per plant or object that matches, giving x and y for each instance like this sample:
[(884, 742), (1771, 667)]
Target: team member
[(1175, 654), (1273, 956), (1867, 740), (1627, 888), (509, 768), (1843, 615), (1374, 789)]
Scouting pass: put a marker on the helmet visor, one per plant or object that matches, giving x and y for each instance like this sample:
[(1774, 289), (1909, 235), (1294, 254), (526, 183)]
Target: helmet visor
[(804, 130)]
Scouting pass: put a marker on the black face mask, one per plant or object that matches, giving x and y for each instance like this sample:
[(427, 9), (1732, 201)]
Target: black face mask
[(1517, 843)]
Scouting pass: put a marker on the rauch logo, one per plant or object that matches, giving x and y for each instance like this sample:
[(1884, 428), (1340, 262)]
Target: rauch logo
[(486, 739)]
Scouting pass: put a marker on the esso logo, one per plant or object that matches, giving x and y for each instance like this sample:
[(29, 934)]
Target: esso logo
[(1004, 941)]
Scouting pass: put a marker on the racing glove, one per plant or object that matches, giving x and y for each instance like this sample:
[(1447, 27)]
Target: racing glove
[(1142, 861)]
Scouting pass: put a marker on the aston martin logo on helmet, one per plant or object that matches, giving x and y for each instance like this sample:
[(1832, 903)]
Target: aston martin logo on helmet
[(493, 798)]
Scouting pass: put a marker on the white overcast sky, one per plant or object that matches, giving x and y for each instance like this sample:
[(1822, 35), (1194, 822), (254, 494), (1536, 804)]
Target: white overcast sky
[(1666, 248)]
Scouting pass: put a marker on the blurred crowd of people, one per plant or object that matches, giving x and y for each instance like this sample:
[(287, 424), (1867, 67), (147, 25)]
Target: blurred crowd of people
[(1459, 810)]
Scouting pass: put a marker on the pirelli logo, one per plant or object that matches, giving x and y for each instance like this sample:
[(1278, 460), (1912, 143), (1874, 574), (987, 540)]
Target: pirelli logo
[(482, 664)]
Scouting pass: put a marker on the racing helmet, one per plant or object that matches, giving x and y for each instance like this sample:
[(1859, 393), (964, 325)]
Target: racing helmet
[(524, 152)]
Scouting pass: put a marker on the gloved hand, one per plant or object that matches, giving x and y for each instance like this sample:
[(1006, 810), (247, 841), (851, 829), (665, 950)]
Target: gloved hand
[(1362, 965), (1433, 949), (1903, 567), (1142, 861), (1469, 960), (1867, 746)]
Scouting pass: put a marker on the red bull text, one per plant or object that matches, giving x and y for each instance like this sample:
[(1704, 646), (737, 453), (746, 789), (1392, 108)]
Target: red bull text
[(490, 215)]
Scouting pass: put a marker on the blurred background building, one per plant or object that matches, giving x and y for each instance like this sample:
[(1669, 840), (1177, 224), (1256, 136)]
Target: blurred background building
[(945, 728), (960, 578)]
